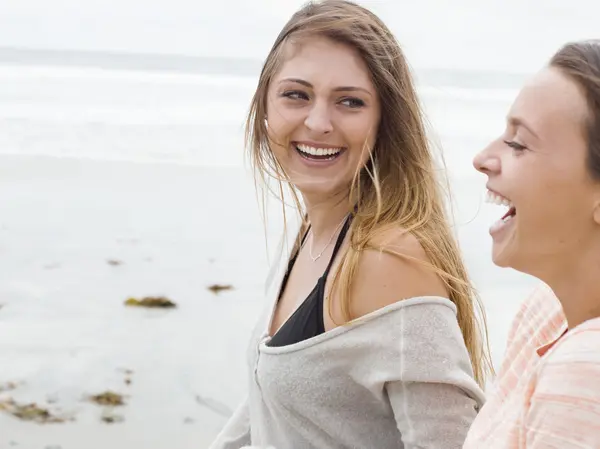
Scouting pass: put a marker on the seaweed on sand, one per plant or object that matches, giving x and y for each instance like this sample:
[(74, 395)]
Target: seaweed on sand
[(29, 412), (217, 288), (160, 302), (108, 398)]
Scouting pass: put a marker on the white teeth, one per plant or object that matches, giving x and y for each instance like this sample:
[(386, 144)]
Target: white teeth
[(493, 198), (318, 151)]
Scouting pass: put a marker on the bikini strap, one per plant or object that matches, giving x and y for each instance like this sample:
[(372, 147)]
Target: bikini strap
[(338, 243)]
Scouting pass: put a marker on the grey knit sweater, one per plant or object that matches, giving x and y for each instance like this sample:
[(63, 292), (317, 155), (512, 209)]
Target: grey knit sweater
[(397, 378)]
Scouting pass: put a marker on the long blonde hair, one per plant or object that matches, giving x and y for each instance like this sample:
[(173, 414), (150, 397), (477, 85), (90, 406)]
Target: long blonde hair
[(397, 188)]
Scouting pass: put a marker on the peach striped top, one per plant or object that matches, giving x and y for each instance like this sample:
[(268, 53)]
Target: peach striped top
[(547, 394)]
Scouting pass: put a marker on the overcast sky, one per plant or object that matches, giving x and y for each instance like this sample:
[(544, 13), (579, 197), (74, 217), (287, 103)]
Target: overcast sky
[(490, 34)]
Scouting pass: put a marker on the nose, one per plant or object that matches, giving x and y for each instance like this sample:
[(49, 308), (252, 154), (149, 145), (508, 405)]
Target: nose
[(487, 161), (319, 119)]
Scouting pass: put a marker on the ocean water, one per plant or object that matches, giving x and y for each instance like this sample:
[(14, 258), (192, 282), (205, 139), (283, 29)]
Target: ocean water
[(112, 110)]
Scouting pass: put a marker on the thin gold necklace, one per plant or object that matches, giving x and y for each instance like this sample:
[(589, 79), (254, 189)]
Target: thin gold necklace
[(315, 258)]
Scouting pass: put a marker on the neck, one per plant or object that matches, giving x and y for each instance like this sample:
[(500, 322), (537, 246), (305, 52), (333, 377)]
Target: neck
[(325, 215), (577, 286)]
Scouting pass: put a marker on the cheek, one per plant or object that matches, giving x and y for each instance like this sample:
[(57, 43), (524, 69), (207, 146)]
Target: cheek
[(362, 133), (278, 120), (282, 116), (279, 129), (557, 208)]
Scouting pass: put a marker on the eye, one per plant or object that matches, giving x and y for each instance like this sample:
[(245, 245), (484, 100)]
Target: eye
[(352, 102), (515, 145), (295, 95)]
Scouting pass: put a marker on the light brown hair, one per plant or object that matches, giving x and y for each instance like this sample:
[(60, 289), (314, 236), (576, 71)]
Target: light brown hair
[(397, 188), (580, 61)]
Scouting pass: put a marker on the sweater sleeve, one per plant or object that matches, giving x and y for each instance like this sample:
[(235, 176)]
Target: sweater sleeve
[(431, 416), (432, 390), (236, 432)]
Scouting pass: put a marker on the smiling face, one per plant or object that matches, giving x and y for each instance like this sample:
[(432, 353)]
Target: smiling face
[(539, 168), (323, 114)]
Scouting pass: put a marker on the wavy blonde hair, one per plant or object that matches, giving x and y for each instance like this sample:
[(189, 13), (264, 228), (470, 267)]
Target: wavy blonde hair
[(397, 188)]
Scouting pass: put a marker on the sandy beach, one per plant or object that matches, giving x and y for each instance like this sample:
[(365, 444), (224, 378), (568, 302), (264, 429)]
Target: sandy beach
[(77, 238), (64, 331)]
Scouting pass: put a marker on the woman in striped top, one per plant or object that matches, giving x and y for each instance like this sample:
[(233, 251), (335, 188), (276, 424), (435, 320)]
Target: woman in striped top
[(546, 169)]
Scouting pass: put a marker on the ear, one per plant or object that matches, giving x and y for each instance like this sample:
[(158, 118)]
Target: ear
[(596, 212)]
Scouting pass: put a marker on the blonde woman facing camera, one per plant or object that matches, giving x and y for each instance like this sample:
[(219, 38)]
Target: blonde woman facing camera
[(546, 167), (370, 338)]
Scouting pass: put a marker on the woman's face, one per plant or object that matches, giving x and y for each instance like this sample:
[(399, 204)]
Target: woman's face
[(537, 169), (322, 115)]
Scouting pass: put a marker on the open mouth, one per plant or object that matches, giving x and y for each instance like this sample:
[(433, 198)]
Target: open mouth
[(495, 198), (318, 154)]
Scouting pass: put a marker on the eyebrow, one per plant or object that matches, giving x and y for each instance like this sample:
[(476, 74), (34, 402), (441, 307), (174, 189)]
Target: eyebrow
[(337, 89), (516, 121)]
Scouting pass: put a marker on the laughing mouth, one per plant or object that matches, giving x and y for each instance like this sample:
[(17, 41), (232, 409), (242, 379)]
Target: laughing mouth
[(496, 198), (318, 154)]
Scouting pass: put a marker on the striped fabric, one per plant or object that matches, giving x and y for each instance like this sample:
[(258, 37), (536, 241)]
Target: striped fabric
[(547, 394)]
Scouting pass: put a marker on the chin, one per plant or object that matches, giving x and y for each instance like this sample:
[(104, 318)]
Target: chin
[(515, 262), (500, 258), (499, 262), (319, 188)]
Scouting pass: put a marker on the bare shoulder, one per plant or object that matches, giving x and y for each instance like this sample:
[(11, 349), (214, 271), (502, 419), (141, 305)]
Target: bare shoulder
[(395, 268)]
